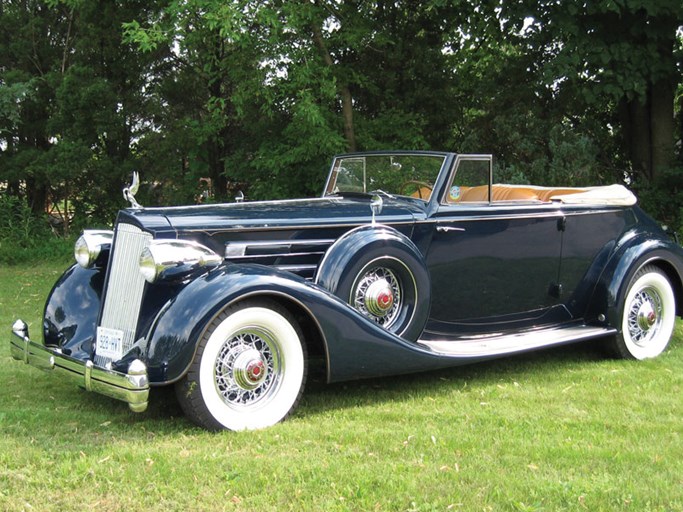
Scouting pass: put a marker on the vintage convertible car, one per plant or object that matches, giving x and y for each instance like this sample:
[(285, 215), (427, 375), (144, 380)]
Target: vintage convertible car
[(410, 261)]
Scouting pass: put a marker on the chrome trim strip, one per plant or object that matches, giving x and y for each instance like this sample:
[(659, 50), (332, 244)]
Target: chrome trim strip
[(434, 219), (295, 268), (269, 201), (275, 255), (132, 388), (243, 228), (495, 345), (503, 217), (277, 243), (555, 214), (234, 250)]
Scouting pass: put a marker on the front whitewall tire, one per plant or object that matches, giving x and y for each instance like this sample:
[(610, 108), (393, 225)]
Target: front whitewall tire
[(249, 370)]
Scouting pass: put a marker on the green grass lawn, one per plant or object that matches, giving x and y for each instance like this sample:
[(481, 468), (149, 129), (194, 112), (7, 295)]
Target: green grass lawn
[(562, 429)]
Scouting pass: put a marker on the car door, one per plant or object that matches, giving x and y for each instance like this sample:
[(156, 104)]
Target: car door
[(494, 264)]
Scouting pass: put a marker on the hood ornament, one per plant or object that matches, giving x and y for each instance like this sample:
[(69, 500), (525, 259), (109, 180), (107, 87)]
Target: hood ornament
[(130, 191)]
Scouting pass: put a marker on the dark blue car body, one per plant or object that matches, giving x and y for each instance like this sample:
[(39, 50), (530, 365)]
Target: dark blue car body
[(463, 280)]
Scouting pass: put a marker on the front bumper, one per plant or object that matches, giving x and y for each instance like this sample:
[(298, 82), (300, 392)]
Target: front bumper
[(131, 387)]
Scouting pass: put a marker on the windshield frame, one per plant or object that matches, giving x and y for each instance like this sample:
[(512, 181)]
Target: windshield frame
[(364, 186)]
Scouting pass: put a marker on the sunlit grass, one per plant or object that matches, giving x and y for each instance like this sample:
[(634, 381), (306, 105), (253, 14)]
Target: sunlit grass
[(561, 429)]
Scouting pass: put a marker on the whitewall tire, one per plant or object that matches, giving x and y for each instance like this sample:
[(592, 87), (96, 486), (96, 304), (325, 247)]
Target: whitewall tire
[(249, 369), (648, 315)]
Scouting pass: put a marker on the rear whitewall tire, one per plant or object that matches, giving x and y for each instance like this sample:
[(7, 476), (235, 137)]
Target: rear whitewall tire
[(249, 370), (648, 316)]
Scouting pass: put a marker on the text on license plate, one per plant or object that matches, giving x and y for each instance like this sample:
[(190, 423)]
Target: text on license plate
[(109, 343)]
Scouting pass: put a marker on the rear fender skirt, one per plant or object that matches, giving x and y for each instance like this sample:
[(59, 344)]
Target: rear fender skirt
[(355, 346)]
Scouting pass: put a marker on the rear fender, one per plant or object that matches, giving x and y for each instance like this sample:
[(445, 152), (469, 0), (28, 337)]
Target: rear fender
[(638, 250)]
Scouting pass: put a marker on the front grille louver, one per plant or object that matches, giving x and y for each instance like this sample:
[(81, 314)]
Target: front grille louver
[(125, 285)]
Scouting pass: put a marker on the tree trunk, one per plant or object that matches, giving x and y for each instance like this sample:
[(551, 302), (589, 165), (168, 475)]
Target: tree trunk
[(649, 123), (662, 126), (217, 141), (342, 87), (347, 112), (36, 194), (649, 130), (636, 126)]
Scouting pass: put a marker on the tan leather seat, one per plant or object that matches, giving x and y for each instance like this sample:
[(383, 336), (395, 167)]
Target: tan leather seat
[(499, 193), (505, 193), (511, 193)]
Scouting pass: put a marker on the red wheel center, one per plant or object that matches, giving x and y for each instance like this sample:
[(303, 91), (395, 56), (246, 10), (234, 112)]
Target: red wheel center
[(385, 299), (651, 318), (254, 370)]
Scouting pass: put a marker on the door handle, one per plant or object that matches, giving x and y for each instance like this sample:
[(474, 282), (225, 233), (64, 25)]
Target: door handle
[(446, 229)]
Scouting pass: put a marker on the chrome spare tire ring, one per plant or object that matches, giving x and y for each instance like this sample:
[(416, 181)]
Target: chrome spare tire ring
[(377, 295)]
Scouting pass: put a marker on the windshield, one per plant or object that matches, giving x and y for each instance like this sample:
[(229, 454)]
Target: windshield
[(402, 174)]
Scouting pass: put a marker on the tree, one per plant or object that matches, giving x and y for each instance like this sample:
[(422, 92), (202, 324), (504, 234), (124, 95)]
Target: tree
[(612, 57), (78, 102)]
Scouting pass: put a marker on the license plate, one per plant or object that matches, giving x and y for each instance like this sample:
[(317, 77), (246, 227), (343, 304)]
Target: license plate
[(109, 343)]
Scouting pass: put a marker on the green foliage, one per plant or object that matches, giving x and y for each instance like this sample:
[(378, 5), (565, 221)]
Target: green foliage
[(256, 96), (663, 199), (23, 237)]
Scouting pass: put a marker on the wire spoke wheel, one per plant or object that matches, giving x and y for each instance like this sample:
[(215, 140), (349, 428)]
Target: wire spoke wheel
[(384, 290), (645, 316), (378, 296), (249, 369), (649, 311)]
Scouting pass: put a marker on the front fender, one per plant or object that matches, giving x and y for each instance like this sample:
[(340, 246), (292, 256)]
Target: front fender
[(355, 346), (172, 340), (71, 310)]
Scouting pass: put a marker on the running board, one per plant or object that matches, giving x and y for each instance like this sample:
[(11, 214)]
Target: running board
[(500, 344)]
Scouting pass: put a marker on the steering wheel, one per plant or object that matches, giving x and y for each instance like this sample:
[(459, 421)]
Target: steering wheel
[(423, 188)]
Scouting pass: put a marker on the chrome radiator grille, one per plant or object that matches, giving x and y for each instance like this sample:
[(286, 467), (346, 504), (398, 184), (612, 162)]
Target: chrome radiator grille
[(125, 286)]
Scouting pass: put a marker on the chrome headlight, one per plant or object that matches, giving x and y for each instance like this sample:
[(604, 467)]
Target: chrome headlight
[(175, 259), (90, 245)]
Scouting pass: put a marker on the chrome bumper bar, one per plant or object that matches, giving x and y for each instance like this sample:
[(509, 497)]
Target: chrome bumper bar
[(131, 387)]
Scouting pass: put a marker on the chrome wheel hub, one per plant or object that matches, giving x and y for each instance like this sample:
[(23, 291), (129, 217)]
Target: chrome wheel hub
[(377, 295), (250, 370), (379, 298), (644, 316), (247, 367)]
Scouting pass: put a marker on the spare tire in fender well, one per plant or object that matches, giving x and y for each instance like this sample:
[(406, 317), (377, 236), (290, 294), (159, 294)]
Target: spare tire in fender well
[(382, 274)]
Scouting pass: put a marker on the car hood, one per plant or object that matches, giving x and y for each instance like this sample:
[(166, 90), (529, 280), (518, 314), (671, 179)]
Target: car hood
[(332, 211)]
